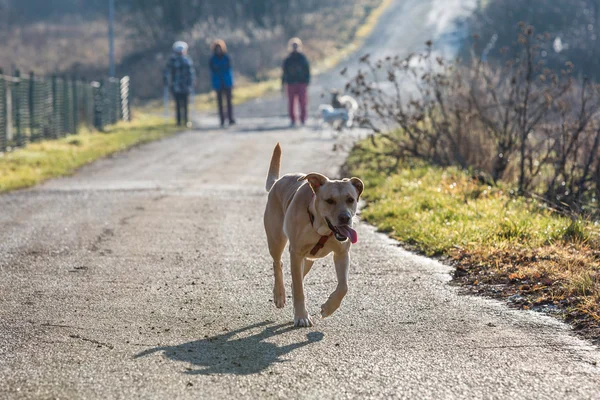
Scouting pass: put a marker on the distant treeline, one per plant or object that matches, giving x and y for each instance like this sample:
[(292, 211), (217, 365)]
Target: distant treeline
[(158, 18), (163, 18), (69, 36), (16, 12), (572, 28)]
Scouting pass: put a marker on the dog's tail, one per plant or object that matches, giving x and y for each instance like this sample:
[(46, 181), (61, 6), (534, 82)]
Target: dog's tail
[(273, 174), (349, 103)]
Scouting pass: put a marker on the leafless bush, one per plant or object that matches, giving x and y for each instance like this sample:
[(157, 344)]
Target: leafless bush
[(565, 158), (519, 122)]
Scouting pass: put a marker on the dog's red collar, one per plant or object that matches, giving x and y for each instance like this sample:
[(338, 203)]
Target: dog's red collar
[(321, 243)]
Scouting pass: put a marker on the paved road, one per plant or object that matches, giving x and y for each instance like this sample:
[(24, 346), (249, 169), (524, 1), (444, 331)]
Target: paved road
[(146, 275)]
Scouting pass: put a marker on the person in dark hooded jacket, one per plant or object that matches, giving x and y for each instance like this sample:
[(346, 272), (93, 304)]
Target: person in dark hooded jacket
[(178, 75), (296, 77)]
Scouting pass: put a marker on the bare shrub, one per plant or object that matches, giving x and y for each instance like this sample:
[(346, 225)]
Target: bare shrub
[(568, 148), (518, 122)]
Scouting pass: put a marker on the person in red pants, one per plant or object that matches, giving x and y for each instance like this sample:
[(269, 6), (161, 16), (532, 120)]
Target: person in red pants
[(296, 77)]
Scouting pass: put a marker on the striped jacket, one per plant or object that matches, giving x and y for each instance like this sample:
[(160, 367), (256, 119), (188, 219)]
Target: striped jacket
[(179, 74)]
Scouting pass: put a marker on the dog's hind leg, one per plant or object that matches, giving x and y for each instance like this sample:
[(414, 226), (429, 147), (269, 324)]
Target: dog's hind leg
[(277, 241)]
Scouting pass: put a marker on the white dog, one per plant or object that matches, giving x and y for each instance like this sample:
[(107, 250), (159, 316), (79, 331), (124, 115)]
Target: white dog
[(340, 113), (315, 214)]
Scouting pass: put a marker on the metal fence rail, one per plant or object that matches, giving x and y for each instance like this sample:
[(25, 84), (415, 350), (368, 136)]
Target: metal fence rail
[(34, 108)]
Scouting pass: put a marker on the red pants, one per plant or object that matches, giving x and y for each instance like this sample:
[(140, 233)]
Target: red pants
[(297, 90)]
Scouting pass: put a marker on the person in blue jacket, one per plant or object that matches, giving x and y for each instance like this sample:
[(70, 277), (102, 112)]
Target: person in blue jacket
[(222, 78)]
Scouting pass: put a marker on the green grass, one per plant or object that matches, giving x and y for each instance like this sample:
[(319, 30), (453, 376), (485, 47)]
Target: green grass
[(439, 209), (493, 235), (53, 158)]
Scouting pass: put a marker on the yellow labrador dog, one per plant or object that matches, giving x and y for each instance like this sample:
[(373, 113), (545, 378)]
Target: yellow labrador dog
[(315, 215)]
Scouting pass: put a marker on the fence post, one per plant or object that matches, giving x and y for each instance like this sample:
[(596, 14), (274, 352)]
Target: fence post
[(66, 119), (118, 99), (75, 106), (110, 101), (32, 106), (114, 101), (84, 102), (17, 105), (98, 105), (128, 96), (124, 95), (54, 107), (3, 117)]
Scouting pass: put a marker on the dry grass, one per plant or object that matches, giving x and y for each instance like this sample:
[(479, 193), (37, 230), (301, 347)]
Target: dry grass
[(54, 46), (563, 275)]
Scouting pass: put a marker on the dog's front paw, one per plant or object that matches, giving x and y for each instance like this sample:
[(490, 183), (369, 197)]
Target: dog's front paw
[(303, 321), (334, 301), (329, 307), (279, 297), (327, 310)]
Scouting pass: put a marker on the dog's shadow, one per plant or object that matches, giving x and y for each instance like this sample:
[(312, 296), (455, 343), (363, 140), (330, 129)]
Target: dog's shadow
[(234, 352)]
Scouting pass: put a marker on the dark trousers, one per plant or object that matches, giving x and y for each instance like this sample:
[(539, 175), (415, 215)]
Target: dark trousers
[(227, 93), (181, 107)]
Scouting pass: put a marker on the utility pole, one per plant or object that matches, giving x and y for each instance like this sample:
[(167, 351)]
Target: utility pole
[(111, 38)]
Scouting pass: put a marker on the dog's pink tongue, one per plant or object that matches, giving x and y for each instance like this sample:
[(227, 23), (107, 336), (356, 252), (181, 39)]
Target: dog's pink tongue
[(349, 233)]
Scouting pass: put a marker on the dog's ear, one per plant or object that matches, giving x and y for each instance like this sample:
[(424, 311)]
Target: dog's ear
[(358, 185), (315, 180)]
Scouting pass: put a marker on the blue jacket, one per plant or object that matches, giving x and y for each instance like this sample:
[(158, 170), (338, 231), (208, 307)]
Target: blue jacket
[(179, 74), (220, 70)]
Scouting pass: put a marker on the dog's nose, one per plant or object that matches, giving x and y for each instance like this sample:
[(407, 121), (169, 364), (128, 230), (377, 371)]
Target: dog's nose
[(344, 219)]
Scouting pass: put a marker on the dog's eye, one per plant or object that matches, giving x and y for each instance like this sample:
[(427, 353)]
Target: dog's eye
[(330, 201), (350, 200)]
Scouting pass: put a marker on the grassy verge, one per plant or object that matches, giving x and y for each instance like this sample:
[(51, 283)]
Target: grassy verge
[(52, 158), (502, 245)]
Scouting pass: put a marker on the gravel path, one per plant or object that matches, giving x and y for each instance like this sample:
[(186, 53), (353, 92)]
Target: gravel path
[(146, 275)]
